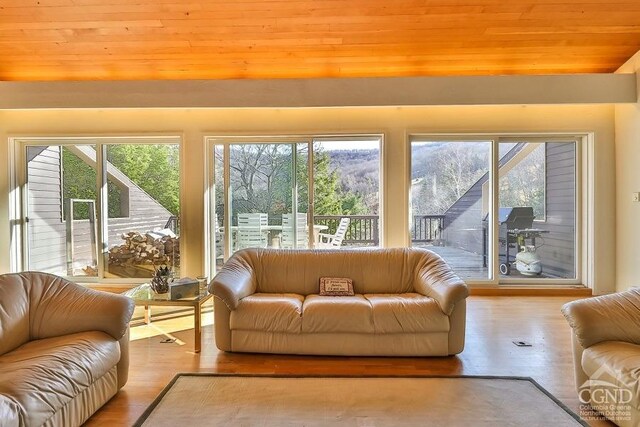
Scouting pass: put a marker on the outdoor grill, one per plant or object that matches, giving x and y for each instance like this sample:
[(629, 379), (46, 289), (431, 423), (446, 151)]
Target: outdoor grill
[(514, 225)]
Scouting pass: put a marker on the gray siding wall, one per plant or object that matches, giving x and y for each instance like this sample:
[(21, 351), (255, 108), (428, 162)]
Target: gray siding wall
[(47, 230), (558, 251)]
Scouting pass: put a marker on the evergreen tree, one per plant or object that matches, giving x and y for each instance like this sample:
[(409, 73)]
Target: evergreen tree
[(154, 168)]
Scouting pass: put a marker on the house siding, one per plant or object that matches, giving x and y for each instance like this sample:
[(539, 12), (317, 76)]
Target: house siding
[(45, 231), (558, 246)]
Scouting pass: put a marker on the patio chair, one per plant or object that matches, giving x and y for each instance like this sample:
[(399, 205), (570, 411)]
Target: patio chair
[(252, 231), (328, 241), (289, 238)]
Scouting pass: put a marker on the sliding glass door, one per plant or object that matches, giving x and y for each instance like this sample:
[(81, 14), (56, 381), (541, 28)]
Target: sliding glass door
[(450, 201), (292, 193), (346, 185), (519, 227), (261, 196), (256, 198), (538, 209)]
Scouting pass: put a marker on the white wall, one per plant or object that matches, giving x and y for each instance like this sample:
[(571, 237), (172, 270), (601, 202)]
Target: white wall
[(395, 122), (627, 146)]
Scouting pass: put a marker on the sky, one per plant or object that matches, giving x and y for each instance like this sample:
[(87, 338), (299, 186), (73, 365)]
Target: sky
[(334, 145)]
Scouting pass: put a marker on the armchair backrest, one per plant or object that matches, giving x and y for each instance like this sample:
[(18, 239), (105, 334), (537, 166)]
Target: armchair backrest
[(40, 305), (372, 271), (612, 317)]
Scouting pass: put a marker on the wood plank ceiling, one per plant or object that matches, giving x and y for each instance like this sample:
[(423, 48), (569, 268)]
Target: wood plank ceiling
[(219, 39)]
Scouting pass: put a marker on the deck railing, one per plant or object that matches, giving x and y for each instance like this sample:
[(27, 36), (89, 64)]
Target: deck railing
[(363, 229), (427, 228), (173, 224)]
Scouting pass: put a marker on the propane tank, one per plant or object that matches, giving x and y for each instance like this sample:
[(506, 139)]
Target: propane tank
[(528, 262)]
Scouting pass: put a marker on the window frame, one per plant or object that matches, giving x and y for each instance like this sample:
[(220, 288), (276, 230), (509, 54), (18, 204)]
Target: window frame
[(20, 245), (583, 206), (224, 140)]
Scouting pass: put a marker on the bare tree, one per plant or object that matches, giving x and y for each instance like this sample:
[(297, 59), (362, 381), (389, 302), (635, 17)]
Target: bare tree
[(451, 171), (524, 184), (257, 172)]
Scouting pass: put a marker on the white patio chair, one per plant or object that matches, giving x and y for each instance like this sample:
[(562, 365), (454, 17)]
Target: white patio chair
[(328, 241), (252, 231), (289, 238)]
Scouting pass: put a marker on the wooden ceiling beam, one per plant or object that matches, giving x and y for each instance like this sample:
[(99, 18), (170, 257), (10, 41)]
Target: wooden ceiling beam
[(556, 89)]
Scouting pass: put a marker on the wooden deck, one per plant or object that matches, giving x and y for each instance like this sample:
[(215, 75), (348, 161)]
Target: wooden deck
[(468, 265)]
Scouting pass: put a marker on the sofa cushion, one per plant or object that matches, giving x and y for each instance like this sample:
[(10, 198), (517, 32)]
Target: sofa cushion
[(269, 313), (321, 314), (410, 312), (617, 363), (44, 375)]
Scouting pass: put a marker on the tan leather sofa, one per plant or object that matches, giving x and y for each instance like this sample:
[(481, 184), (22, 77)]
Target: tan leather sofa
[(63, 350), (407, 302), (606, 352)]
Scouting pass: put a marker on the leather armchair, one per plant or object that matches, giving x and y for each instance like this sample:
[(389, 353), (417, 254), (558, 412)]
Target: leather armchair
[(63, 349), (606, 353)]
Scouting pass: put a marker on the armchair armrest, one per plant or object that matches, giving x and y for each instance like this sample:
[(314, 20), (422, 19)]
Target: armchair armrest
[(234, 282), (613, 317), (60, 307), (438, 281)]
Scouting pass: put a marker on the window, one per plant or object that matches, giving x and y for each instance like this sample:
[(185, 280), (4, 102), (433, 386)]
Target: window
[(61, 231), (522, 176), (447, 202), (293, 192), (139, 179), (537, 217), (454, 215), (346, 186)]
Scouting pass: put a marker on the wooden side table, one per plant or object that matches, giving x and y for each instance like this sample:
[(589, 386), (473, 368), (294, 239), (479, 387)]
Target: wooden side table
[(143, 296)]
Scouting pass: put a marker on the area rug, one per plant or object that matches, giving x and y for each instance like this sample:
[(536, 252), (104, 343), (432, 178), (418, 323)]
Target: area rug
[(248, 400)]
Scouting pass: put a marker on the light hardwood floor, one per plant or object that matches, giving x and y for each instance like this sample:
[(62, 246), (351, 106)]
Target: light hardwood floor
[(492, 324)]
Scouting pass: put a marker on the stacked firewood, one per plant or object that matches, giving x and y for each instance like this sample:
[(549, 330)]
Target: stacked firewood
[(154, 247)]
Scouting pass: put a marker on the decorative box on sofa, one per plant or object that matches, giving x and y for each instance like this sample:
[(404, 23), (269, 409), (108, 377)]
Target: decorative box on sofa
[(63, 350), (407, 302)]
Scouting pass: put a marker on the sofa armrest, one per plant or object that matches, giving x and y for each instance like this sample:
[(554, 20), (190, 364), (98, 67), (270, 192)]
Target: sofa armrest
[(60, 307), (123, 363), (613, 317), (438, 281), (234, 282)]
